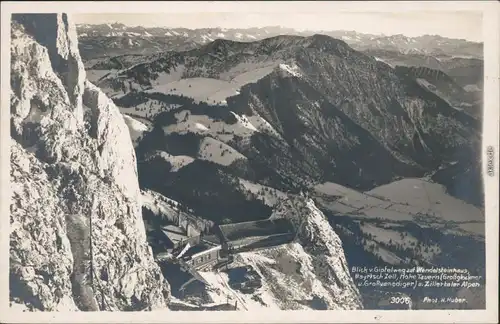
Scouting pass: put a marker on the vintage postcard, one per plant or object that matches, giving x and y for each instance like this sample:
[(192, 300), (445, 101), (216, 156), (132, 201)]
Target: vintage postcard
[(250, 161)]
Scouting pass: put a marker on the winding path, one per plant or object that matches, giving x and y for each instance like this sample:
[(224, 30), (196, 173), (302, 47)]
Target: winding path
[(236, 296)]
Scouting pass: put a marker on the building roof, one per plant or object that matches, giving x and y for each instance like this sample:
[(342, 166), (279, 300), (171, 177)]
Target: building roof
[(212, 239), (199, 248), (174, 233), (237, 231)]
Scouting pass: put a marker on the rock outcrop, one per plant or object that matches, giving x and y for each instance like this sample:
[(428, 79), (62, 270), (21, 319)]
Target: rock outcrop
[(326, 262), (77, 237)]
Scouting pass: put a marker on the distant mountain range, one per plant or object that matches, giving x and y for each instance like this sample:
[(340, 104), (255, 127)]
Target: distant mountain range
[(112, 39), (120, 46)]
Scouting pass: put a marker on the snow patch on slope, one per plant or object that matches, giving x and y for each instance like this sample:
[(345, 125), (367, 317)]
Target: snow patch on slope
[(135, 128), (177, 161), (293, 69), (149, 109), (95, 75), (472, 88), (218, 152), (427, 195), (340, 199), (383, 61), (202, 124), (262, 125), (221, 292), (157, 203), (269, 195), (199, 89)]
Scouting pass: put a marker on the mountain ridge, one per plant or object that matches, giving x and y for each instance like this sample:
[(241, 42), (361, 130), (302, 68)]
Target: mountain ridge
[(418, 44)]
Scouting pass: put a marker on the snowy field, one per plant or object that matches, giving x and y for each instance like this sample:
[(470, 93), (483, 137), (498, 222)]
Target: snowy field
[(95, 75), (214, 90), (209, 90), (149, 109), (247, 72), (135, 128), (210, 150), (426, 195), (158, 204), (177, 161), (203, 124), (200, 89), (218, 152), (269, 195), (415, 200), (216, 134)]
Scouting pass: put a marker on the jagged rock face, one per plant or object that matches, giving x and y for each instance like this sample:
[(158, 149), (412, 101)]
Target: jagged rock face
[(77, 236), (445, 87), (58, 36), (326, 267)]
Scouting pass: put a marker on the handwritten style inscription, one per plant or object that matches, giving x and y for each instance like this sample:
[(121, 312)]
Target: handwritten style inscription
[(444, 300), (414, 277)]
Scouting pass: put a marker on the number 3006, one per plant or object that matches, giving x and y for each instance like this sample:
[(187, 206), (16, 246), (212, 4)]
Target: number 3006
[(400, 300)]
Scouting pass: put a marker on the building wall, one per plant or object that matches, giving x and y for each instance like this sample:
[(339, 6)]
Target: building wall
[(191, 223), (192, 231), (204, 258)]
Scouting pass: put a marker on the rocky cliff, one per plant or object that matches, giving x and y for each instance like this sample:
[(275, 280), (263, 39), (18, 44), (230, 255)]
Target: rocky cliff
[(326, 260), (309, 273), (77, 236)]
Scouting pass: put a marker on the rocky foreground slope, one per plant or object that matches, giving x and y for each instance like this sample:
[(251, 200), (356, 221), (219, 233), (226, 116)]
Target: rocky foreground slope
[(75, 194)]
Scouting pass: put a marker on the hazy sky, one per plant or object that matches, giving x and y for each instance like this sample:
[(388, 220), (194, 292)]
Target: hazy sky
[(458, 24)]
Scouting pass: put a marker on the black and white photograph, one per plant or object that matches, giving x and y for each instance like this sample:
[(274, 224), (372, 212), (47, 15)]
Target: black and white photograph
[(233, 161)]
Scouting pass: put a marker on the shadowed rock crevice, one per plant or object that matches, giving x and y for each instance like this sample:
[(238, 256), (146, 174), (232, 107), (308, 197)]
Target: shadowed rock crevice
[(79, 237)]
